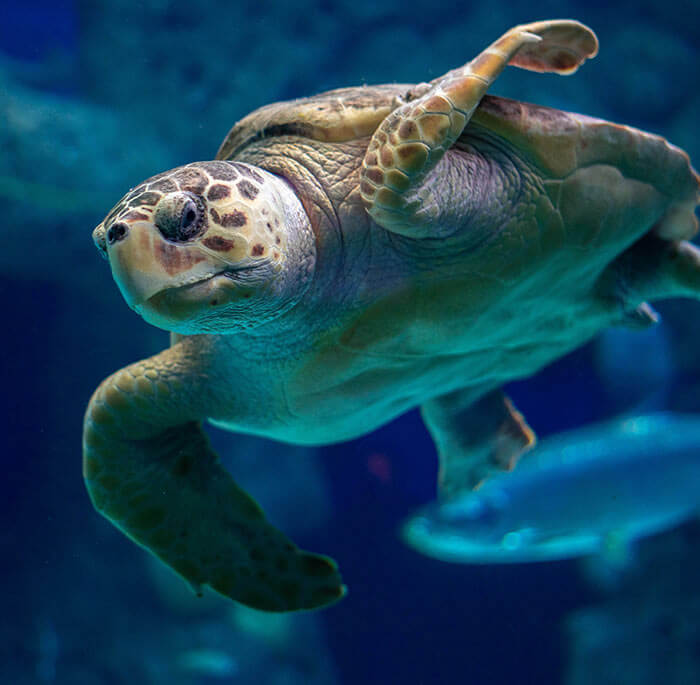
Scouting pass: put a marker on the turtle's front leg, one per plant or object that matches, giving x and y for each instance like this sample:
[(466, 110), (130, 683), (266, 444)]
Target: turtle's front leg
[(407, 146), (150, 470)]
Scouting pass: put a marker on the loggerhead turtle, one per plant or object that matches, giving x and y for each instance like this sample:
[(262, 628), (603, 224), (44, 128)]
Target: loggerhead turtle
[(355, 254)]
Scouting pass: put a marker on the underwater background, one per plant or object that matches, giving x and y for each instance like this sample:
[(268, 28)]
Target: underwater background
[(97, 96)]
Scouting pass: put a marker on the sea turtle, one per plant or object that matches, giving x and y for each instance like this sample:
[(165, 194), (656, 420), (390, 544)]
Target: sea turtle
[(355, 254)]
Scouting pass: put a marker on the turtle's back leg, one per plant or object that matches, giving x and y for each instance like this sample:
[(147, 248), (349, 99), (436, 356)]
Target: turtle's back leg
[(149, 468), (476, 435), (411, 141)]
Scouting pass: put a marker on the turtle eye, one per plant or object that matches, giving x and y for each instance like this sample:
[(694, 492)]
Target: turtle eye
[(188, 220), (179, 216)]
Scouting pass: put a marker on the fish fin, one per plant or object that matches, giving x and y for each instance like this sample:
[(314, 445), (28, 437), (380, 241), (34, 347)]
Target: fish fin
[(476, 435)]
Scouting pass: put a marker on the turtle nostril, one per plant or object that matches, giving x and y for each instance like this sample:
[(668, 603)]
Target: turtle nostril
[(116, 233)]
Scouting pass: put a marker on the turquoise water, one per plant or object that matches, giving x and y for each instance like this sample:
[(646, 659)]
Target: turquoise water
[(95, 97)]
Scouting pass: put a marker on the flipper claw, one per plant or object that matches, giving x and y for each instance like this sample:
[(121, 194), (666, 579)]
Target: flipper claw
[(641, 317)]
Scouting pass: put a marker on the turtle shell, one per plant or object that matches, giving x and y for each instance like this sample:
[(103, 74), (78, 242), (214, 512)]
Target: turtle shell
[(335, 116), (557, 143), (554, 141)]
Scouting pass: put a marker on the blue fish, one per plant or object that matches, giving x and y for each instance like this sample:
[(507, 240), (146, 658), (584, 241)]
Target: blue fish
[(576, 494)]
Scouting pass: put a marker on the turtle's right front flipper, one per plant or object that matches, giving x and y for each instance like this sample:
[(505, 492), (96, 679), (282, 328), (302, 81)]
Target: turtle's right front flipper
[(395, 177), (149, 468)]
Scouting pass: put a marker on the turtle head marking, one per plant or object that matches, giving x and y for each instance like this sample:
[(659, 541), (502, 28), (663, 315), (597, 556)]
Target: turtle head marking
[(209, 247)]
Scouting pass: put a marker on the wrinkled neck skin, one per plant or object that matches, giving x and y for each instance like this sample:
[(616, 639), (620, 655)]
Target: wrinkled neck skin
[(363, 263), (322, 255), (272, 303)]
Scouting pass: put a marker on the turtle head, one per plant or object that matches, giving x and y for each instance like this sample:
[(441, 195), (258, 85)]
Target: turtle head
[(209, 247)]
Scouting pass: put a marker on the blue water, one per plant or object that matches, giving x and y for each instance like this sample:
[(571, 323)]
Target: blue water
[(95, 97)]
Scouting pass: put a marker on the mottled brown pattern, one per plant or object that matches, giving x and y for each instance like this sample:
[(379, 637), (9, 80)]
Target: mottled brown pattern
[(386, 155), (134, 215), (437, 103), (192, 180), (376, 175), (165, 185), (367, 188), (407, 131), (148, 199), (509, 109), (235, 218), (397, 180), (168, 256), (221, 171), (218, 243), (247, 189), (247, 171), (434, 128), (218, 192), (549, 116), (338, 115), (175, 260), (117, 210), (413, 156), (257, 250)]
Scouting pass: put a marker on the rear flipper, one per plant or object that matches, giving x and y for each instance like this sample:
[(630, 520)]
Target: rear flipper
[(149, 468), (651, 269), (474, 439)]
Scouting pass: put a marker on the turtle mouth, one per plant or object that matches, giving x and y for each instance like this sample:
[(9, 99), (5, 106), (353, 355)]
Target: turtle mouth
[(197, 280), (229, 278), (229, 273), (181, 302)]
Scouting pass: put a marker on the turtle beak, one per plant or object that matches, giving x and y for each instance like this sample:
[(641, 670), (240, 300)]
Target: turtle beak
[(144, 263), (100, 239)]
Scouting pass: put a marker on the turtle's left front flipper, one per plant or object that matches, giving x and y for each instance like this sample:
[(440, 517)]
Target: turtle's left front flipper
[(474, 439), (404, 150), (149, 469)]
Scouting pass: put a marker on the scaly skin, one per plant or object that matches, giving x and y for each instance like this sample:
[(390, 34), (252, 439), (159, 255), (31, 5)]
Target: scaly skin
[(149, 468), (413, 139), (544, 228)]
